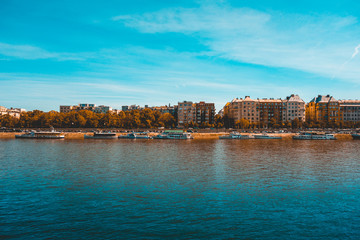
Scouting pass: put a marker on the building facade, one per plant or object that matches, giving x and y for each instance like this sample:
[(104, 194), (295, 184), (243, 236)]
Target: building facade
[(85, 106), (324, 108), (205, 113), (195, 113), (350, 110), (186, 113), (14, 112), (294, 107), (265, 111)]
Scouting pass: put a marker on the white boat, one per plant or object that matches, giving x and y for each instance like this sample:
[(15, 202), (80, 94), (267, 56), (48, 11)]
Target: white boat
[(137, 135), (101, 135), (265, 136), (42, 135), (174, 135), (314, 136), (235, 135)]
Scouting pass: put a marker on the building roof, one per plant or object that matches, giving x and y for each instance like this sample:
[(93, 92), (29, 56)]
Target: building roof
[(323, 99)]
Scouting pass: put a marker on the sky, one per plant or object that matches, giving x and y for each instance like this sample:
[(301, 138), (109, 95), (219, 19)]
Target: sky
[(161, 52)]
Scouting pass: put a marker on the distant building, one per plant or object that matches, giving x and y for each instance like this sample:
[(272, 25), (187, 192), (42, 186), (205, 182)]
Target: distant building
[(294, 107), (186, 113), (131, 107), (102, 109), (15, 112), (66, 109), (323, 109), (205, 113), (85, 106), (270, 110), (350, 110), (246, 108), (166, 109), (195, 113), (266, 110)]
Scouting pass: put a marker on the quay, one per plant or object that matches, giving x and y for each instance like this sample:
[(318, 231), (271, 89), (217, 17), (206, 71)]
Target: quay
[(196, 136)]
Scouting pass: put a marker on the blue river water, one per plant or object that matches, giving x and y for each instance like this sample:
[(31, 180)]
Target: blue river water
[(168, 189)]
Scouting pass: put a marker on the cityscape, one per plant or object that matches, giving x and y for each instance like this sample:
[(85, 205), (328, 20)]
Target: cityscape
[(187, 119), (322, 110)]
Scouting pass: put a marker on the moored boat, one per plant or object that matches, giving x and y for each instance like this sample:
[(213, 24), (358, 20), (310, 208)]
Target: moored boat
[(235, 135), (174, 135), (266, 136), (356, 136), (137, 135), (42, 135), (101, 135), (314, 136)]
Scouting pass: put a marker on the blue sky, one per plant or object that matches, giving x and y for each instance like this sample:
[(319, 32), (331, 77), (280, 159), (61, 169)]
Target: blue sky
[(159, 52)]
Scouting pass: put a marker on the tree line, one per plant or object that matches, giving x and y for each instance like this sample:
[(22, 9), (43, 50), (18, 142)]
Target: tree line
[(148, 118), (145, 118)]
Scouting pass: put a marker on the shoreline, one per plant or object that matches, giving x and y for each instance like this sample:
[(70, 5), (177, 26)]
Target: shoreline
[(197, 136)]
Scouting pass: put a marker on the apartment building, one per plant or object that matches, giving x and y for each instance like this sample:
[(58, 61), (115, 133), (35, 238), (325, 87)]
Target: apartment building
[(131, 107), (270, 110), (350, 110), (102, 109), (197, 113), (85, 106), (266, 110), (246, 108), (15, 112), (294, 107), (166, 109), (186, 113), (324, 108), (205, 113)]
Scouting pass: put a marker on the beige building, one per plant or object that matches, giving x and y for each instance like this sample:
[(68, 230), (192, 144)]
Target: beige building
[(66, 109), (85, 106), (186, 113), (350, 110), (264, 110), (294, 107), (15, 112), (243, 108)]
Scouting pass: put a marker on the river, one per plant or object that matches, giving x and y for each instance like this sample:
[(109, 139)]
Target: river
[(190, 189)]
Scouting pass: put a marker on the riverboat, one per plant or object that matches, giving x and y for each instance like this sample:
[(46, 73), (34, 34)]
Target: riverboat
[(356, 136), (42, 135), (137, 135), (174, 135), (314, 136), (265, 136), (101, 135), (235, 135)]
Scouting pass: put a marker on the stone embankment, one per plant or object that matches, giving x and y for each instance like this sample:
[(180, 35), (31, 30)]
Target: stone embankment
[(204, 136)]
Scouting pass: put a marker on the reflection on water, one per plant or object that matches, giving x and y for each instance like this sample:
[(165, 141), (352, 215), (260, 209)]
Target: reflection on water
[(203, 189)]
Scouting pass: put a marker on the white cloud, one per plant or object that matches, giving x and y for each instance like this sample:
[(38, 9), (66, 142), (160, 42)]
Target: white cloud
[(311, 43), (31, 53)]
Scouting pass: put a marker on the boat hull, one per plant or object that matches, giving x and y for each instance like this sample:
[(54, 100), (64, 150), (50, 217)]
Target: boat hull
[(314, 137), (356, 136), (99, 137), (39, 137), (266, 137), (235, 137)]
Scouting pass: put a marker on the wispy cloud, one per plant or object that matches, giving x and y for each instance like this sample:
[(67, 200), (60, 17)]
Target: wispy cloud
[(311, 43), (356, 51), (32, 52)]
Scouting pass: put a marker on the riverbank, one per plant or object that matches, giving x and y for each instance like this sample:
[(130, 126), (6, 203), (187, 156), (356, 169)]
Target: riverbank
[(203, 136)]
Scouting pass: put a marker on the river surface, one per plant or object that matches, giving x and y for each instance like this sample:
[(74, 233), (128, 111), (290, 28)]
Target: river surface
[(169, 189)]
